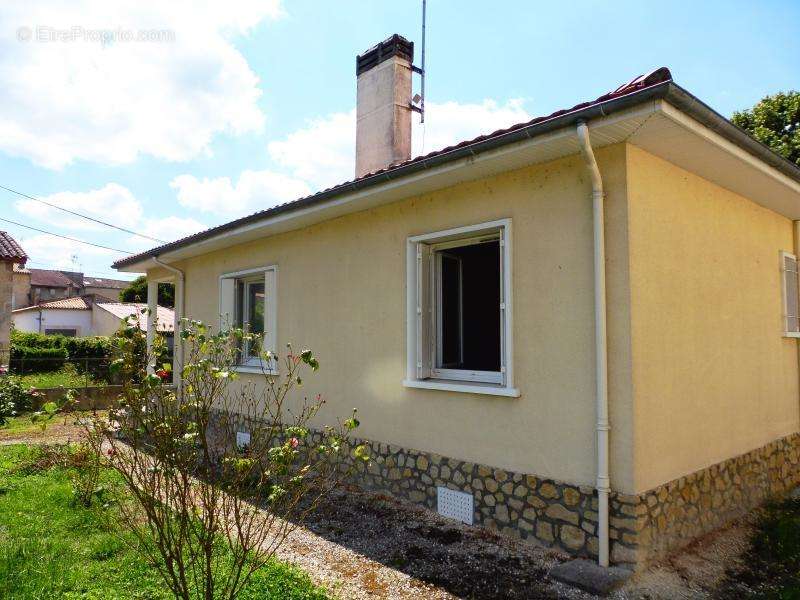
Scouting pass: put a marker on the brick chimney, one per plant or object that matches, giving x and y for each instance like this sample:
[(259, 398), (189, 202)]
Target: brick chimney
[(383, 112)]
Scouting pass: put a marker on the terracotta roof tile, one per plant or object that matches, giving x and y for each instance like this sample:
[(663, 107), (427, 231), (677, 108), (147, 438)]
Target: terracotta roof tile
[(165, 316), (10, 250), (50, 278)]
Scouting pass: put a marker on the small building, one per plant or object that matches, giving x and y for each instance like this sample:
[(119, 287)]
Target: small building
[(34, 286), (580, 330), (11, 256), (86, 315)]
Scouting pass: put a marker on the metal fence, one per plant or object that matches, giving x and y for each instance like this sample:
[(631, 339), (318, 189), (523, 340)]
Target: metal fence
[(58, 371)]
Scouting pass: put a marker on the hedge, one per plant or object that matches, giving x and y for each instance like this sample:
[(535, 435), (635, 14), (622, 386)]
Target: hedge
[(88, 354), (25, 359)]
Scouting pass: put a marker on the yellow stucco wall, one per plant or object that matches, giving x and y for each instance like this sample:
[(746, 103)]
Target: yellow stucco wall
[(712, 375), (341, 291)]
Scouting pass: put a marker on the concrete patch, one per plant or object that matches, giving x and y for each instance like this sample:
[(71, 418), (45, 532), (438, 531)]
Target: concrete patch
[(589, 576)]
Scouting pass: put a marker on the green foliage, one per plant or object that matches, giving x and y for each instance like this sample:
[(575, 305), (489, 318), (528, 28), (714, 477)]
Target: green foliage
[(53, 547), (46, 353), (775, 121), (137, 292), (770, 567), (26, 359), (67, 376), (14, 398)]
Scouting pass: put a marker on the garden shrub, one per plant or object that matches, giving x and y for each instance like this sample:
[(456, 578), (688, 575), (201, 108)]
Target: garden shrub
[(91, 355), (25, 359), (14, 399)]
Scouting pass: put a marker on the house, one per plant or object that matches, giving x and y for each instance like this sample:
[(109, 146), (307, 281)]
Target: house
[(34, 286), (86, 315), (581, 330), (11, 255)]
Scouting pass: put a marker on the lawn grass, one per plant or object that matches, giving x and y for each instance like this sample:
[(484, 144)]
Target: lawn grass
[(67, 376), (51, 548)]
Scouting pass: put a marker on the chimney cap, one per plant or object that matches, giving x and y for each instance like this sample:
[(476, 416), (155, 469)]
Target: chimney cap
[(395, 45)]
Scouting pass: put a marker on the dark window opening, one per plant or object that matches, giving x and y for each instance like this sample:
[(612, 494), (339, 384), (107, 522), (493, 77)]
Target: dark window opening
[(469, 309)]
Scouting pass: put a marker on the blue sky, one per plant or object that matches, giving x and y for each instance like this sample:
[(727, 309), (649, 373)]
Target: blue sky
[(236, 106)]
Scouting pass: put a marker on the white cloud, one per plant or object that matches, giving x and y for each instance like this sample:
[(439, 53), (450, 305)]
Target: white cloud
[(82, 99), (169, 228), (448, 123), (112, 202), (323, 152), (59, 253), (255, 190)]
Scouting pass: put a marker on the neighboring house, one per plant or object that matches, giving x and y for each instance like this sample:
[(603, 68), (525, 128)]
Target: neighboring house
[(89, 314), (11, 256), (22, 286), (104, 286), (34, 286), (585, 325)]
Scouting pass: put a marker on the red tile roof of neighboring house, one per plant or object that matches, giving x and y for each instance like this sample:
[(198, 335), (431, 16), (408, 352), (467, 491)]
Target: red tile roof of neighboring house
[(10, 250), (656, 84), (50, 278), (74, 303), (103, 282), (165, 316)]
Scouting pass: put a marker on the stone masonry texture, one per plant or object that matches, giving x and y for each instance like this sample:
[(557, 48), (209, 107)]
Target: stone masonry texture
[(643, 527)]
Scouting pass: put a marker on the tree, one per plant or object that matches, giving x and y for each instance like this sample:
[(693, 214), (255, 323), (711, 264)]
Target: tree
[(775, 121), (207, 512), (137, 292)]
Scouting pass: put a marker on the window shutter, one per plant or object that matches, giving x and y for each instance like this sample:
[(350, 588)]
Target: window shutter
[(424, 310), (227, 303), (790, 294)]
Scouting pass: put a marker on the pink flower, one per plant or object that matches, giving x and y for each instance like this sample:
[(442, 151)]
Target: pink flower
[(294, 442)]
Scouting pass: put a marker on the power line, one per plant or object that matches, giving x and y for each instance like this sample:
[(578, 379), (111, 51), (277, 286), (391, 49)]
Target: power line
[(82, 216), (66, 237), (56, 267)]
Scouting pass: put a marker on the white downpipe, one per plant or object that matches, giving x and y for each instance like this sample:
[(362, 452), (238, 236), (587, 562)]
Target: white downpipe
[(601, 348), (177, 346)]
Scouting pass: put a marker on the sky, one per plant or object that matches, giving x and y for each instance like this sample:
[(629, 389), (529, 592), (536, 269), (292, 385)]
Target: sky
[(167, 118)]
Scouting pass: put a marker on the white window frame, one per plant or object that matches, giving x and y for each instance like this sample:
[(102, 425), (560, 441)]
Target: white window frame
[(784, 294), (227, 312), (422, 345)]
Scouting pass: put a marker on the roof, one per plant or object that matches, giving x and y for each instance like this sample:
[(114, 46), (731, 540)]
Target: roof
[(50, 278), (103, 282), (74, 303), (123, 310), (653, 86), (10, 250)]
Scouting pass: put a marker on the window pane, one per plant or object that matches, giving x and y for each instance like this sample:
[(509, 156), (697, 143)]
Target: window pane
[(473, 307), (255, 312), (451, 311)]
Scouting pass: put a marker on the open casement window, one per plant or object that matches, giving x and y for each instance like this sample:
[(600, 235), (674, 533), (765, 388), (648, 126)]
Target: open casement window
[(791, 295), (247, 300), (461, 313)]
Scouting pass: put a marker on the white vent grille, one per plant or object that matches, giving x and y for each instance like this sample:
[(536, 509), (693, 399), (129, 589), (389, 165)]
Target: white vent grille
[(242, 439), (456, 505)]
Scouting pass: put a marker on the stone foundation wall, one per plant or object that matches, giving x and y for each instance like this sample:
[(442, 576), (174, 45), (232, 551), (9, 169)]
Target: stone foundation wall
[(556, 514), (672, 515)]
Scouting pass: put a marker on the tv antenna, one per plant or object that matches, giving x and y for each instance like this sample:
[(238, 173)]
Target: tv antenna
[(418, 101)]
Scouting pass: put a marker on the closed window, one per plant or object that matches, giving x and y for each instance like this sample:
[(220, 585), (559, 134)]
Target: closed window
[(461, 308), (247, 300), (791, 295)]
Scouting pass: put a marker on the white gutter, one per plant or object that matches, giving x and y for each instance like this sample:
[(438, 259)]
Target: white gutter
[(177, 346), (601, 347)]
